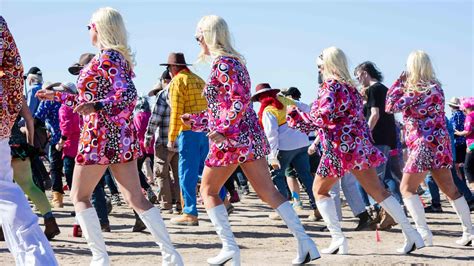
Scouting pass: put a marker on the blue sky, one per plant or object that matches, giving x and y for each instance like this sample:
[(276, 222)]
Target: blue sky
[(280, 39)]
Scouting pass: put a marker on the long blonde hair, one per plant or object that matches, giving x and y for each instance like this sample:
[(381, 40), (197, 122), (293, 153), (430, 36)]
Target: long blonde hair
[(111, 32), (334, 63), (215, 32), (420, 72)]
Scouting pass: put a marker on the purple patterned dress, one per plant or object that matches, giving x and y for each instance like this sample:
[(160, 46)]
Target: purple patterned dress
[(109, 135), (338, 117), (230, 113), (424, 122)]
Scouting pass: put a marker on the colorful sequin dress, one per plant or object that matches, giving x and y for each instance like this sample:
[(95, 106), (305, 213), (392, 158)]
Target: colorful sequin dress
[(108, 136), (230, 113), (424, 122), (337, 115)]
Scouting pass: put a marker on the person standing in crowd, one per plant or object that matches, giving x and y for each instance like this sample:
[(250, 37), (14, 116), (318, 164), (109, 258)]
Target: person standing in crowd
[(48, 112), (34, 79), (345, 137), (140, 120), (20, 226), (287, 145), (418, 95), (165, 159), (236, 139), (21, 150), (467, 105), (382, 128), (457, 121), (106, 100), (185, 95)]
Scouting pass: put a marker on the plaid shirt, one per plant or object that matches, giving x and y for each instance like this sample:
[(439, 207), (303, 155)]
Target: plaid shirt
[(159, 120), (186, 97)]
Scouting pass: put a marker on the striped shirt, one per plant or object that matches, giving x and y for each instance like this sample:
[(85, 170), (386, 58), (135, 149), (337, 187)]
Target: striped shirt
[(186, 97)]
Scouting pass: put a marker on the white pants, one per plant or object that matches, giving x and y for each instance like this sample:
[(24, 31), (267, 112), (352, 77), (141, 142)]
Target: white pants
[(23, 236), (348, 183)]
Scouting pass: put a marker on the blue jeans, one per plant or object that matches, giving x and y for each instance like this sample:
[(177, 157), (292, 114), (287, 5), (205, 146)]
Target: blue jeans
[(299, 158), (348, 183), (109, 180), (460, 184), (68, 165), (385, 176), (193, 148)]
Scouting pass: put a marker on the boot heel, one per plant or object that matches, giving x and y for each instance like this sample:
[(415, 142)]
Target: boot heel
[(344, 248)]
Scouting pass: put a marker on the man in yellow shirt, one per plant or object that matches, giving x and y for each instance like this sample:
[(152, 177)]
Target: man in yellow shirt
[(186, 96)]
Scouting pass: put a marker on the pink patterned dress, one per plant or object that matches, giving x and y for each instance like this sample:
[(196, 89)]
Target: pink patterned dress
[(338, 117), (426, 135), (230, 113), (109, 135)]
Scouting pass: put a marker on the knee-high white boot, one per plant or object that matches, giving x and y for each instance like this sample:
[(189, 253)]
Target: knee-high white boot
[(154, 222), (90, 226), (417, 212), (307, 249), (464, 214), (413, 239), (339, 245), (230, 249)]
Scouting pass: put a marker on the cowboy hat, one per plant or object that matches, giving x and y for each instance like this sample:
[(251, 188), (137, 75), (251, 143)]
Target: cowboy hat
[(84, 59), (261, 88), (454, 102), (48, 85), (176, 59)]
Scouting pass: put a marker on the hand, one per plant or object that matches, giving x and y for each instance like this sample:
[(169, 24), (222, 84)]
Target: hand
[(171, 146), (275, 164), (45, 95), (312, 148), (186, 119), (457, 133), (60, 145), (403, 76), (216, 137), (84, 108)]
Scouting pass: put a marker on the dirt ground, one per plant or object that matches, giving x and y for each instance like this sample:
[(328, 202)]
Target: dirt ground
[(262, 241)]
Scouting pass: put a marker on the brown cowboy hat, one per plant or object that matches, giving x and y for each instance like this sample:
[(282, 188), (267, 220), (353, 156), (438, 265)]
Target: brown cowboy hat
[(176, 59), (454, 102), (83, 60), (261, 88)]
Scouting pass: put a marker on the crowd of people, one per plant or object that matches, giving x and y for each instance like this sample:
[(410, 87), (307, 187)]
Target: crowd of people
[(201, 138)]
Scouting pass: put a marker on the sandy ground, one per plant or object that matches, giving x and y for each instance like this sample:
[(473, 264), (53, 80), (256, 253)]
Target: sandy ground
[(262, 241)]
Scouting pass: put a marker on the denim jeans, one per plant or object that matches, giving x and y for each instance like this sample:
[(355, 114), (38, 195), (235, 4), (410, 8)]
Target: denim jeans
[(193, 148), (300, 160), (460, 184), (349, 186), (385, 176), (109, 181), (56, 168), (68, 164)]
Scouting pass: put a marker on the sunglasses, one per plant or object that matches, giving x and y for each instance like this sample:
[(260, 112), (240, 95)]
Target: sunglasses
[(90, 26)]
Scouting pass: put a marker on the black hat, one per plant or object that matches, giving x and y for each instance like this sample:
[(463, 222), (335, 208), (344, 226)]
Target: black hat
[(292, 91), (83, 60), (34, 70)]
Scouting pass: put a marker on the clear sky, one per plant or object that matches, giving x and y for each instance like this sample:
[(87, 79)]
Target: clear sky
[(280, 39)]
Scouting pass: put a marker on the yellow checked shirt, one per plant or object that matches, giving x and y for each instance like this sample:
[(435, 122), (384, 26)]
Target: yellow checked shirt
[(185, 93)]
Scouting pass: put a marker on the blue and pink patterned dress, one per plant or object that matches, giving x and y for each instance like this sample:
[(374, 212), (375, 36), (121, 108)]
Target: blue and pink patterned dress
[(426, 136), (337, 115), (109, 135), (230, 113)]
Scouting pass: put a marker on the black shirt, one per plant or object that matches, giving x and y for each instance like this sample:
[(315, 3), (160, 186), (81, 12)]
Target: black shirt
[(384, 132)]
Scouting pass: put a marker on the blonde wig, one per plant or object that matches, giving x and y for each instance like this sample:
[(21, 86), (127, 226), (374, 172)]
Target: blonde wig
[(334, 65), (111, 32), (420, 72), (215, 33)]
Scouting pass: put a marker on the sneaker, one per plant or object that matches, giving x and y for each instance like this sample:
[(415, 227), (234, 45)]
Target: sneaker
[(297, 205), (116, 199), (185, 219), (433, 209), (245, 190), (151, 196), (274, 216)]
